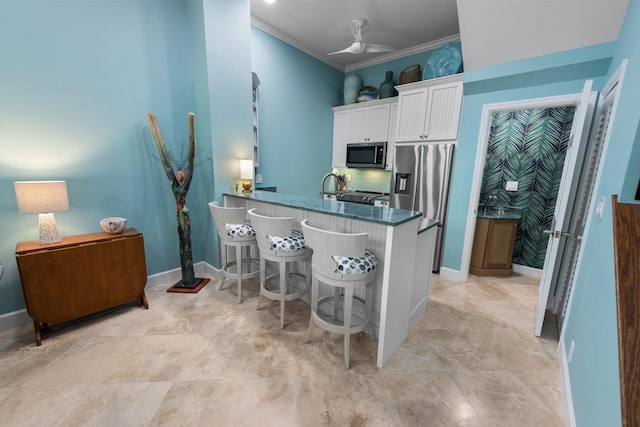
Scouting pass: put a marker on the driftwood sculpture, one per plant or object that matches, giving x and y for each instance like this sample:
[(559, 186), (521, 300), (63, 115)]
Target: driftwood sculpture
[(180, 182)]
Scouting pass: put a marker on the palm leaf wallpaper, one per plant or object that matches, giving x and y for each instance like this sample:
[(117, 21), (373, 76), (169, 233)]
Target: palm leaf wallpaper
[(528, 146)]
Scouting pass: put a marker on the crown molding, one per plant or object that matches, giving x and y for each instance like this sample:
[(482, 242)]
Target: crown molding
[(402, 53), (258, 23)]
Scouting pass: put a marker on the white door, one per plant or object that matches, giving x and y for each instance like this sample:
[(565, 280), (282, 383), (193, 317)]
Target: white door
[(557, 232), (584, 201)]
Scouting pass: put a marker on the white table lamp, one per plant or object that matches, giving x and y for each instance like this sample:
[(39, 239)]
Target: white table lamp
[(246, 174), (44, 198)]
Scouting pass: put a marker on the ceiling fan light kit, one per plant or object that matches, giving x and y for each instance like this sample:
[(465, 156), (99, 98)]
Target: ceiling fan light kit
[(359, 46)]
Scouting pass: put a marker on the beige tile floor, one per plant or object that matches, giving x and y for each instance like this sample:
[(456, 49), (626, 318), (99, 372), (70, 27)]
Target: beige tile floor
[(203, 360)]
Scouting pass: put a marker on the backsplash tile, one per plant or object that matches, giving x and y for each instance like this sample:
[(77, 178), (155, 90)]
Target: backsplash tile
[(367, 179)]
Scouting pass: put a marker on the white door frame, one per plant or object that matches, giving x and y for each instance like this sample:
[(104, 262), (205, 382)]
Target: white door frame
[(481, 156), (609, 94)]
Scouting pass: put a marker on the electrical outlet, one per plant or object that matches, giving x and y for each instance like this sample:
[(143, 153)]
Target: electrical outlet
[(259, 178), (348, 177), (600, 207), (511, 186)]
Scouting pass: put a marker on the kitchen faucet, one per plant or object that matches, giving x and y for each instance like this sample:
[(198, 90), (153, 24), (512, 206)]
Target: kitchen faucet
[(335, 184)]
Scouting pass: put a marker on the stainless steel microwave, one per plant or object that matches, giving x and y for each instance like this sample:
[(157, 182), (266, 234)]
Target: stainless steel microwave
[(367, 155)]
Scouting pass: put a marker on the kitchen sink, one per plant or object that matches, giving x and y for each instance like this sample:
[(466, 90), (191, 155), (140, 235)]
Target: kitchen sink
[(499, 212)]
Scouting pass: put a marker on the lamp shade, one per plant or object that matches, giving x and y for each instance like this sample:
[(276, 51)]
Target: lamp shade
[(246, 169), (41, 196)]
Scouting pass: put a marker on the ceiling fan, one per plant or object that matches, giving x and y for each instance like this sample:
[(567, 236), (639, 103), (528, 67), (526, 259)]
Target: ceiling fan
[(359, 46)]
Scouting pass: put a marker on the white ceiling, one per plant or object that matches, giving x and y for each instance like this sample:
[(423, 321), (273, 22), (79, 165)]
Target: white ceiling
[(491, 31)]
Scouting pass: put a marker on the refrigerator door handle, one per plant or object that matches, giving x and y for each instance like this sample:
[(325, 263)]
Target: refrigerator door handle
[(417, 174)]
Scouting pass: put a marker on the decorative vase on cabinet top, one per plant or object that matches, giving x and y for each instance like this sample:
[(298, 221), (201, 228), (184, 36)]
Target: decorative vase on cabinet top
[(387, 87), (352, 84)]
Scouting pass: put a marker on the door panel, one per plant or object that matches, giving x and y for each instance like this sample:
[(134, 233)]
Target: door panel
[(562, 205)]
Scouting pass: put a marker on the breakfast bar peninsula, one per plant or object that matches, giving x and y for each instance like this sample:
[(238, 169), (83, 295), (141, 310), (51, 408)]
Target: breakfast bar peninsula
[(402, 241)]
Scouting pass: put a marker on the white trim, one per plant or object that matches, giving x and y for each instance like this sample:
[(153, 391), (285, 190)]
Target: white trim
[(402, 53), (273, 31), (258, 23), (618, 75), (14, 319), (527, 271), (450, 274), (565, 385), (21, 317)]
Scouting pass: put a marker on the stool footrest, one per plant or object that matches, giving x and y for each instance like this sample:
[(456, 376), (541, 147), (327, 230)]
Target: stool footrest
[(357, 324), (276, 294)]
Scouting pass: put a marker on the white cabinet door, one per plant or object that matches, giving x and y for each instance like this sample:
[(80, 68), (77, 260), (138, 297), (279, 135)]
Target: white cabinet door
[(341, 123), (443, 112), (379, 123), (370, 124), (412, 106), (359, 125), (429, 113)]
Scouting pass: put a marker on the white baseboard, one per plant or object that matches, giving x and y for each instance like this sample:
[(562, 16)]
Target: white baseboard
[(527, 271), (456, 276), (202, 269), (565, 384), (14, 319), (449, 274)]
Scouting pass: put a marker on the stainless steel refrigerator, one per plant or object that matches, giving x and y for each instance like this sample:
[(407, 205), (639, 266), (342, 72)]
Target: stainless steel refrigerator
[(420, 182)]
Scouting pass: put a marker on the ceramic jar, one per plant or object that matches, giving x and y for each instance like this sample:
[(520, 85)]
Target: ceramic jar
[(352, 84), (387, 87)]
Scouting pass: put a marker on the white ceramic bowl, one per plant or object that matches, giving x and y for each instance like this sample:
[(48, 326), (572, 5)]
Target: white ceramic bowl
[(113, 225)]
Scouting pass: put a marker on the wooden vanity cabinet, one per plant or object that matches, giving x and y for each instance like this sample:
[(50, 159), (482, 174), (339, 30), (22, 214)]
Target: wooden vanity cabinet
[(493, 243), (81, 275)]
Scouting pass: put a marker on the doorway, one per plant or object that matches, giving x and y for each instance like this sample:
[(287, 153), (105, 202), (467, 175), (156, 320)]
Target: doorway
[(582, 102)]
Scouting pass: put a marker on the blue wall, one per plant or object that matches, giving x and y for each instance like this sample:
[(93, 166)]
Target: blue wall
[(78, 79), (295, 118)]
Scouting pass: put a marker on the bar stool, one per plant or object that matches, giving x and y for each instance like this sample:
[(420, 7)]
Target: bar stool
[(342, 262), (234, 231), (279, 243)]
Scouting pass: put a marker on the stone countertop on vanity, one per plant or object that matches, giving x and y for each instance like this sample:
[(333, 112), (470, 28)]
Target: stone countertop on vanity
[(377, 214)]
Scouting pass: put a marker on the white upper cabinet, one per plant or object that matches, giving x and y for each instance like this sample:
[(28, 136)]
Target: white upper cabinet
[(341, 126), (370, 124), (429, 110)]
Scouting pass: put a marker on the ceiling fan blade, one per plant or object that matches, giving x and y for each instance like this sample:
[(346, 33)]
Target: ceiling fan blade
[(374, 48), (355, 48), (346, 50)]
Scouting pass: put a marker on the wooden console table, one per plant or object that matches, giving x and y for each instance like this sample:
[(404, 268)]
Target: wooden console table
[(81, 275)]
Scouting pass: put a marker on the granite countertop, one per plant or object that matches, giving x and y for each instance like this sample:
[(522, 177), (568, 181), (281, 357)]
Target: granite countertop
[(377, 214)]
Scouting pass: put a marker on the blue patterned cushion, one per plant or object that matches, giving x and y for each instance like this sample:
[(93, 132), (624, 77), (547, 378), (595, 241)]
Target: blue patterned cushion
[(240, 230), (359, 265), (290, 243)]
